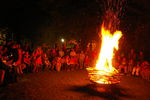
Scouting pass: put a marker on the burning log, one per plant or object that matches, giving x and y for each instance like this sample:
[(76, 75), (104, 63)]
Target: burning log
[(103, 77)]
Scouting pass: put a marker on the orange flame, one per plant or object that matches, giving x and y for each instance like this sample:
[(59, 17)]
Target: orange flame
[(104, 70)]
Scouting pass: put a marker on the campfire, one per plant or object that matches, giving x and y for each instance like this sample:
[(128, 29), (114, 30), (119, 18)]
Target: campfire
[(104, 72)]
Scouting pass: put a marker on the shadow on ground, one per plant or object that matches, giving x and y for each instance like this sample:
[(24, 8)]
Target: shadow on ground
[(108, 92)]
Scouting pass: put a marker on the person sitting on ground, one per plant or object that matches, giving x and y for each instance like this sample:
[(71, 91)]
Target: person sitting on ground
[(27, 61), (73, 60), (130, 65), (136, 69), (63, 64), (145, 70), (46, 62), (18, 64), (37, 58), (67, 62), (58, 63), (123, 66), (117, 62)]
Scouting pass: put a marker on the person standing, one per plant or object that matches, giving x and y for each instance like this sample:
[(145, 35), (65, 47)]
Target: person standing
[(81, 59)]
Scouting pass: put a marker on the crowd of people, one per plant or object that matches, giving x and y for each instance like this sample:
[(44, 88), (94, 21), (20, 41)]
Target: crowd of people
[(133, 63), (16, 59)]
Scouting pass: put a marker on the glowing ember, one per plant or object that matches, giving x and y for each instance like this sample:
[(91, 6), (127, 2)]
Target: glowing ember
[(104, 72)]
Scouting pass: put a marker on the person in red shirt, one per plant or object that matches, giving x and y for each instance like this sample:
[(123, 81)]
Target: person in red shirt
[(73, 60), (37, 58), (19, 63), (58, 64)]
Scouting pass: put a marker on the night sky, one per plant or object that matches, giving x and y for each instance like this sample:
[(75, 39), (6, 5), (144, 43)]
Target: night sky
[(49, 20)]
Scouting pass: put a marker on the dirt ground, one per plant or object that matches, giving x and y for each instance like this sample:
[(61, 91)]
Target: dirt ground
[(74, 85)]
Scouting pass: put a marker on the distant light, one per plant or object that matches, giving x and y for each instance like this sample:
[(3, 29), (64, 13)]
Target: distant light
[(62, 40)]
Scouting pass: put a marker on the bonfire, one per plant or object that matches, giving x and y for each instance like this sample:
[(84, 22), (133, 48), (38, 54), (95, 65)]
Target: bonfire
[(104, 72)]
